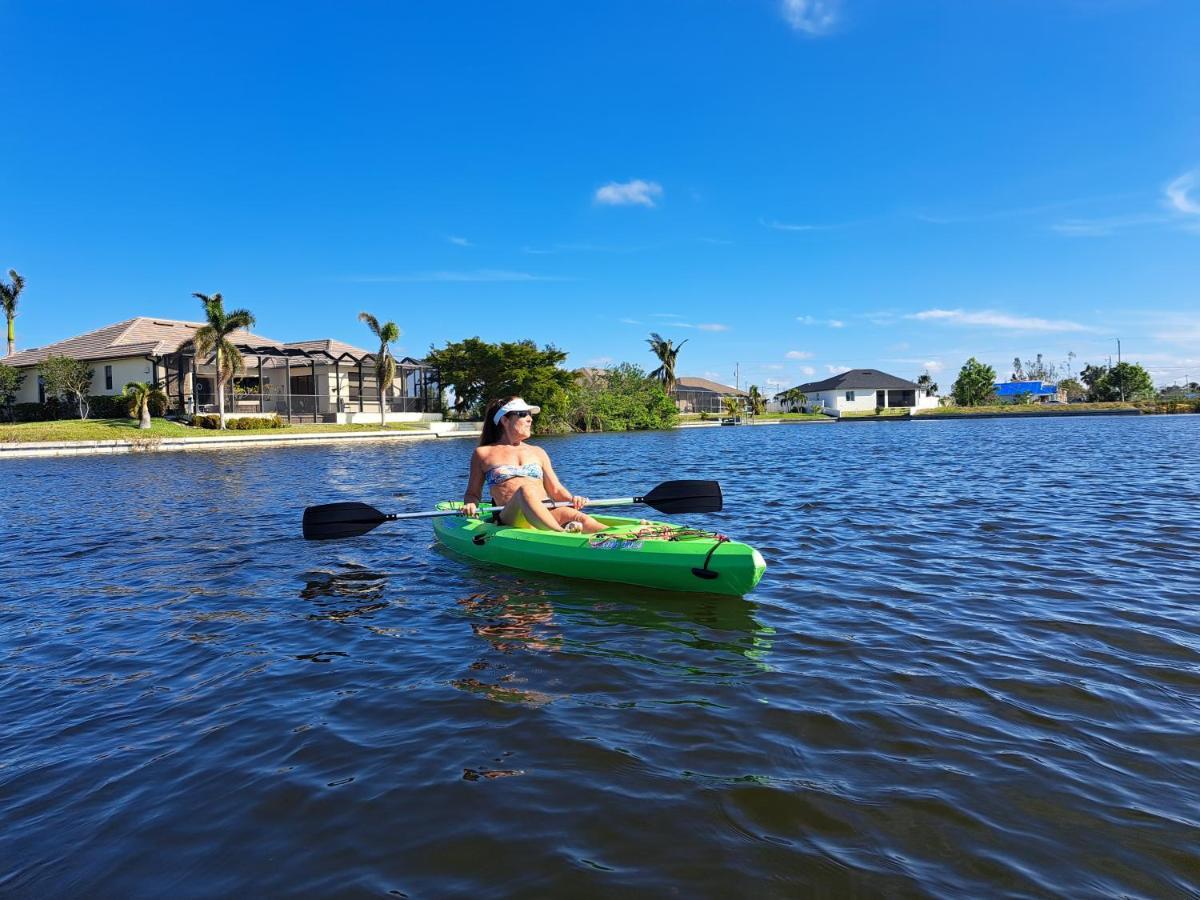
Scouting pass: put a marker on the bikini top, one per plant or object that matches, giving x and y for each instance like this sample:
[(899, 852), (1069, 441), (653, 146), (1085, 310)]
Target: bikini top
[(498, 474)]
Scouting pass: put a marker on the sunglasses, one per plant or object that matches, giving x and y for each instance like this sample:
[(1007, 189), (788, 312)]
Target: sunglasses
[(523, 414)]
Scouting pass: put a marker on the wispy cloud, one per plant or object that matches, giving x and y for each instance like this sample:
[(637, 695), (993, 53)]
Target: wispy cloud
[(798, 354), (771, 367), (813, 17), (703, 326), (1180, 193), (836, 369), (459, 241), (800, 226), (1103, 227), (631, 322), (476, 276), (988, 319), (712, 376), (933, 366), (629, 193), (808, 370), (809, 320), (665, 316)]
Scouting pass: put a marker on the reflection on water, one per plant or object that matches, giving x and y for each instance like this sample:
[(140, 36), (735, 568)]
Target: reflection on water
[(976, 680)]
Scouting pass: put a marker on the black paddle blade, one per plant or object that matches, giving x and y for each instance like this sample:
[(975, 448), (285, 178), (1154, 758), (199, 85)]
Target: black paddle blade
[(685, 497), (340, 520)]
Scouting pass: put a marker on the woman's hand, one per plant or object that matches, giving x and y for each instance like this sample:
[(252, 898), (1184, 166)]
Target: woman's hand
[(579, 502), (469, 509)]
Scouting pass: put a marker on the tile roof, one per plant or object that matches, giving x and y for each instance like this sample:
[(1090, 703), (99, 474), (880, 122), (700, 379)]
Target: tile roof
[(139, 336), (703, 384), (859, 379), (329, 345)]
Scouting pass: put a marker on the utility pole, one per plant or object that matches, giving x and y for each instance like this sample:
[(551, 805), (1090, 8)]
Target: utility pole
[(1120, 382)]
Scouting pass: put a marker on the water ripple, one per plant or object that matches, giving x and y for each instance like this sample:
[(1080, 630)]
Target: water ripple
[(965, 674)]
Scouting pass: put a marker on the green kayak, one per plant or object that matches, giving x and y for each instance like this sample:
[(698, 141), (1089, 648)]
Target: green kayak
[(630, 551)]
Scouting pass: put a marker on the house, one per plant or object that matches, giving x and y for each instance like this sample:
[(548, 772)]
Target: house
[(863, 390), (699, 395), (1037, 391), (317, 380)]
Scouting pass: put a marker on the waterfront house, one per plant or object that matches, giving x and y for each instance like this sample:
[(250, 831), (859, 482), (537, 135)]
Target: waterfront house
[(864, 390), (699, 395), (1036, 391), (320, 380)]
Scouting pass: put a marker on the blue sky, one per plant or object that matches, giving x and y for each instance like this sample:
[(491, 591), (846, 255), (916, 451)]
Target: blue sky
[(795, 187)]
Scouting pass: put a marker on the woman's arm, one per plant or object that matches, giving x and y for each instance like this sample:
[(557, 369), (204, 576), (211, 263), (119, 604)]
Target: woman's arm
[(474, 492), (554, 488)]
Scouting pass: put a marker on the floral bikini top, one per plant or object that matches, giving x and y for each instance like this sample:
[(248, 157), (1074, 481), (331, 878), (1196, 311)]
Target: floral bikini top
[(498, 474)]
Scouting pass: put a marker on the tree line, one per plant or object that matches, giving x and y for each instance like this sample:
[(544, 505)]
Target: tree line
[(976, 382)]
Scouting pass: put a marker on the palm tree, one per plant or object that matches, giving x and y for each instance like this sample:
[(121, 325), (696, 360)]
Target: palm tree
[(666, 353), (140, 394), (385, 363), (732, 404), (214, 338), (8, 299), (758, 403), (926, 383)]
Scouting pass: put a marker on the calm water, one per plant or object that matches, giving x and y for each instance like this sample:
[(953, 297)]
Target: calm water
[(973, 668)]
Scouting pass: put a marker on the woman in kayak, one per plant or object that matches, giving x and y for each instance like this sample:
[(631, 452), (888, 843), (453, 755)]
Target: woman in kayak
[(519, 475)]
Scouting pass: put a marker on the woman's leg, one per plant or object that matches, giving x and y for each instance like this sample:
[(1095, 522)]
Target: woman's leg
[(528, 502), (566, 514)]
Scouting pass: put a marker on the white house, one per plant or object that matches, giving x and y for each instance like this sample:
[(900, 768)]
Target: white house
[(320, 380), (864, 390)]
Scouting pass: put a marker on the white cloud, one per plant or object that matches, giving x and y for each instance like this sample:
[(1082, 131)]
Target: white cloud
[(989, 319), (631, 322), (809, 320), (712, 376), (479, 275), (665, 316), (629, 193), (808, 370), (814, 17), (709, 326), (933, 366), (798, 354), (1179, 193), (460, 241), (836, 370)]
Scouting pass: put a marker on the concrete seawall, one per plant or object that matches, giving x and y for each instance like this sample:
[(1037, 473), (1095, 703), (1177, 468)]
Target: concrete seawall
[(21, 450)]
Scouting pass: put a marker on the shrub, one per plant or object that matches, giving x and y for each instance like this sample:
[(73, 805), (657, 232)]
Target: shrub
[(206, 422)]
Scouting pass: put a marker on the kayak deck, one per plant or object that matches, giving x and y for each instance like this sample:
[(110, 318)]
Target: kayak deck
[(631, 551)]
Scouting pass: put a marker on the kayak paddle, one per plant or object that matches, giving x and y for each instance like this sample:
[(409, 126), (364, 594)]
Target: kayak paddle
[(343, 520)]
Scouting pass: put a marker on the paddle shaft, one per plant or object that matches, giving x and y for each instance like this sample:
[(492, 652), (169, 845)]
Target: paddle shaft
[(488, 510)]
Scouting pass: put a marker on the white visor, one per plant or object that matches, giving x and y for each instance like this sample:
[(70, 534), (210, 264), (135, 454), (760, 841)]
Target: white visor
[(516, 404)]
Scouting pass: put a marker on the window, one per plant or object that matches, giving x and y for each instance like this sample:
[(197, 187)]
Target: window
[(41, 390), (108, 378), (353, 385), (850, 396)]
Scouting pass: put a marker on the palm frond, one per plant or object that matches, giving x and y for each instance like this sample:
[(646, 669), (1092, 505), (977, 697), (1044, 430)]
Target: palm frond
[(371, 322), (390, 332), (205, 340), (239, 318), (18, 283)]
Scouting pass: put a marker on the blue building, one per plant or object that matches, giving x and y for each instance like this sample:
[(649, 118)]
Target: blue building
[(1039, 392)]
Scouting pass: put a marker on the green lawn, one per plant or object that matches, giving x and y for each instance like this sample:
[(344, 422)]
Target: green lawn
[(871, 414), (126, 429), (1025, 408)]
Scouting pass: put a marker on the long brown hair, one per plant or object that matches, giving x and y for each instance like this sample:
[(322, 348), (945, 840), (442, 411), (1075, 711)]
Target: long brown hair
[(491, 429)]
